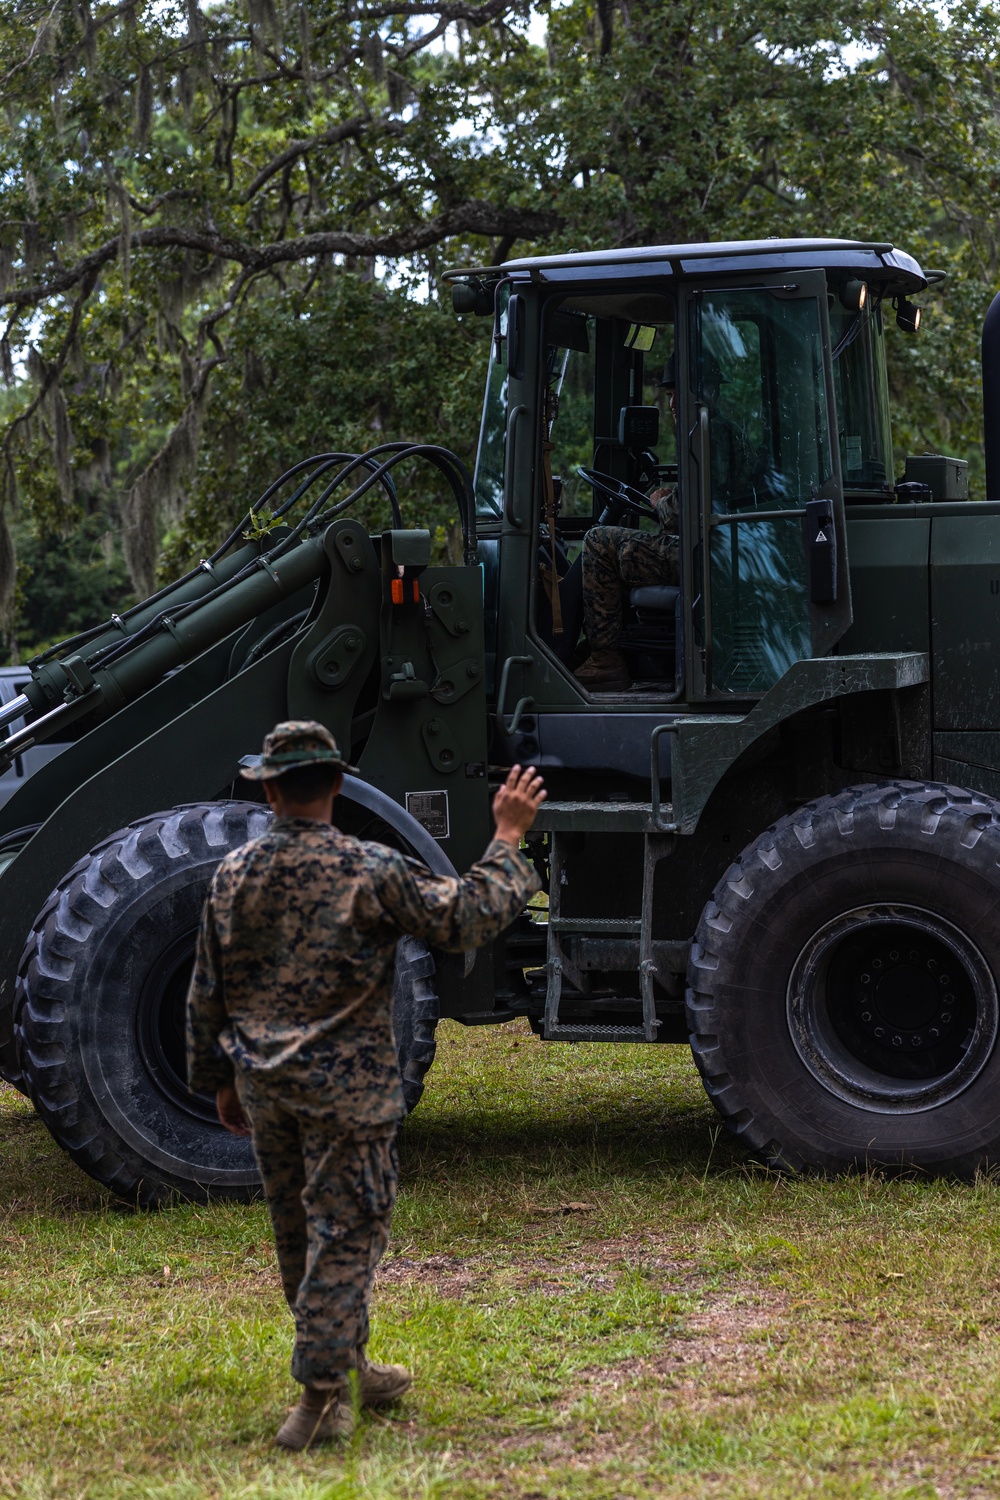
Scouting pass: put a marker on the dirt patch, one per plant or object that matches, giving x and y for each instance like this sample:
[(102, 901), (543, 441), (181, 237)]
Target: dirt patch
[(727, 1338), (976, 1480), (596, 1265), (720, 1353), (449, 1275)]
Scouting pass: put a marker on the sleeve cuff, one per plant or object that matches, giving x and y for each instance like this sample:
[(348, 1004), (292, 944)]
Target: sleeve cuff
[(518, 859), (207, 1075)]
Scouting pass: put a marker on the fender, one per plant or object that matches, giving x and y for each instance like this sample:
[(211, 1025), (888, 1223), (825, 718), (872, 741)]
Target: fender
[(410, 831)]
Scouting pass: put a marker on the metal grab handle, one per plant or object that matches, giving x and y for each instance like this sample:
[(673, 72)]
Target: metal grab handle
[(654, 777), (522, 703), (703, 460), (513, 417)]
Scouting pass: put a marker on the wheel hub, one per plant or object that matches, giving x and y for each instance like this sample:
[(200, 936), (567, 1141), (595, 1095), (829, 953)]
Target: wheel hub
[(905, 997), (893, 1007)]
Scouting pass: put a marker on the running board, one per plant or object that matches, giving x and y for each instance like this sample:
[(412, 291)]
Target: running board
[(599, 817), (584, 1033)]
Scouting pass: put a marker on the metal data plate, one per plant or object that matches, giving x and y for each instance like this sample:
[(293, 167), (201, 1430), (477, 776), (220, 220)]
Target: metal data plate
[(431, 811)]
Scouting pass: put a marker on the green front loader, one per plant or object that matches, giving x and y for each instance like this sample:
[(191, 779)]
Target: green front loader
[(778, 845)]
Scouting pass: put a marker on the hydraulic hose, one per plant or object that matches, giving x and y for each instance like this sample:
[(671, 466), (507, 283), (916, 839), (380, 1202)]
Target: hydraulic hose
[(97, 635), (66, 686), (443, 459)]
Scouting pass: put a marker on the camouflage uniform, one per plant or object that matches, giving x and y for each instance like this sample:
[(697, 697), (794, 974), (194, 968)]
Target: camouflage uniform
[(619, 558), (292, 997)]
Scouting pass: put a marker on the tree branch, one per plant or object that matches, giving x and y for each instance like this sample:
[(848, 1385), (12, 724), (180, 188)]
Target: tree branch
[(349, 130), (472, 217), (53, 371)]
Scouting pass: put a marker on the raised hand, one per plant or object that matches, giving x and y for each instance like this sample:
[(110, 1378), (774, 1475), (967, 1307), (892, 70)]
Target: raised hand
[(516, 803)]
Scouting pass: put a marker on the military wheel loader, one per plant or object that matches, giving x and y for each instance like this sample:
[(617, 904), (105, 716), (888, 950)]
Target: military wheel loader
[(778, 844)]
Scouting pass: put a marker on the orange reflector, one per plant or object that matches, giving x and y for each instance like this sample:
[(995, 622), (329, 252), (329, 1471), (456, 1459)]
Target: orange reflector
[(397, 591)]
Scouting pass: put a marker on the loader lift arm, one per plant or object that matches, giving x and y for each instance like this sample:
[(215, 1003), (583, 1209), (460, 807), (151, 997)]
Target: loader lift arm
[(101, 670)]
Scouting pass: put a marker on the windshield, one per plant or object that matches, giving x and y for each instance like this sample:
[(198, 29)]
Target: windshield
[(862, 399), (492, 432)]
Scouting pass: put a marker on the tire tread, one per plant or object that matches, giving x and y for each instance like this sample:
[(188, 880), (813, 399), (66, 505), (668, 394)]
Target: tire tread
[(972, 823)]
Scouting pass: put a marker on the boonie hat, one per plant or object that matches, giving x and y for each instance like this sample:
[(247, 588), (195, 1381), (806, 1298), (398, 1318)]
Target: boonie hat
[(296, 742)]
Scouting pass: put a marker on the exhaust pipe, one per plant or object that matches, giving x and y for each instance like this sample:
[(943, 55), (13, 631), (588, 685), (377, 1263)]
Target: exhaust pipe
[(991, 398)]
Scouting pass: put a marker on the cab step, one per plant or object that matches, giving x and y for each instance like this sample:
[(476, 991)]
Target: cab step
[(601, 817), (558, 962), (572, 1032), (597, 926)]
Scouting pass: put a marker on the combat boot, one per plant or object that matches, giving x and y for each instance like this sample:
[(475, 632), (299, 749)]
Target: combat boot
[(604, 671), (321, 1415), (380, 1384)]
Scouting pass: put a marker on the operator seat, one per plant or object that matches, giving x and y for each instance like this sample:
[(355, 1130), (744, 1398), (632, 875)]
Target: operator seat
[(651, 636)]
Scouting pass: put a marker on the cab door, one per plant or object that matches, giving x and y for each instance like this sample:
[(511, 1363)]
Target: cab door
[(767, 559)]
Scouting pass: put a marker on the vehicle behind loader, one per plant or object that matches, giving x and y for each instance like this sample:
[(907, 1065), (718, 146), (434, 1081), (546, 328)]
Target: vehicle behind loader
[(780, 844)]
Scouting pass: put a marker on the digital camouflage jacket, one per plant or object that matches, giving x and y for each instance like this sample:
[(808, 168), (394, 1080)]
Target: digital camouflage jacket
[(294, 969)]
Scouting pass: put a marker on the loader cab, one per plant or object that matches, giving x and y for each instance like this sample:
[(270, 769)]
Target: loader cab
[(747, 378)]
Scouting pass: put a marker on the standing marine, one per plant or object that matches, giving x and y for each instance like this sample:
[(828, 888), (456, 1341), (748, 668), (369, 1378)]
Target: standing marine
[(290, 1025)]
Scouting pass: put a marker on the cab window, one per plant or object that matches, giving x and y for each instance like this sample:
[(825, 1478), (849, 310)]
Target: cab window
[(607, 355)]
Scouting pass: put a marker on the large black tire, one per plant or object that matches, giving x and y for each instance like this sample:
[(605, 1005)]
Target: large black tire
[(99, 1010), (415, 1010), (842, 991)]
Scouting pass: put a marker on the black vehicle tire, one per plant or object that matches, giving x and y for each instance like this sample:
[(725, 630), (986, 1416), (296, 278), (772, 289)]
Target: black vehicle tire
[(99, 1010), (842, 992), (415, 1009)]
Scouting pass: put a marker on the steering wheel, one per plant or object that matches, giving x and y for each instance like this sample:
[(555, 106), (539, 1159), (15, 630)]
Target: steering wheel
[(618, 492)]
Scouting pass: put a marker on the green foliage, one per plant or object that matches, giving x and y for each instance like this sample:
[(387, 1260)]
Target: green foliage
[(170, 171), (222, 225), (260, 526), (859, 120), (352, 365), (67, 580)]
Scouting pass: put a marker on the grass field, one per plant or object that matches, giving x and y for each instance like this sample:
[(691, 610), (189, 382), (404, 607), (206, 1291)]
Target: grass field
[(599, 1295)]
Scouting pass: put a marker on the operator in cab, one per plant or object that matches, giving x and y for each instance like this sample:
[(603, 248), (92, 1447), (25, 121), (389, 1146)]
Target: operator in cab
[(617, 559)]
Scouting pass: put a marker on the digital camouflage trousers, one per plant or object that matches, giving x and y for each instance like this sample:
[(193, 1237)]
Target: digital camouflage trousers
[(330, 1195), (616, 559)]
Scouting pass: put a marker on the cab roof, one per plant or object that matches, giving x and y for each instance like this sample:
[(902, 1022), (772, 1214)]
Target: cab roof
[(871, 260)]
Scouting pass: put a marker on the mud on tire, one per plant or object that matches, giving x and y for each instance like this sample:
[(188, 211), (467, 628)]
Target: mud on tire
[(842, 991), (99, 1010)]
